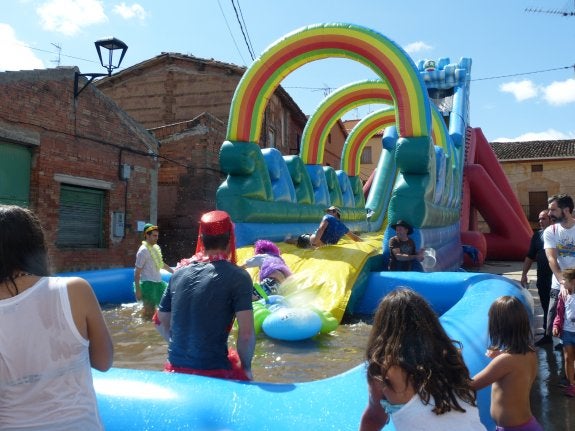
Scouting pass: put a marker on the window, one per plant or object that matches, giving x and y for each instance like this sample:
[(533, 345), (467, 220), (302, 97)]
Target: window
[(536, 168), (271, 138), (298, 143), (15, 162), (80, 224), (366, 156)]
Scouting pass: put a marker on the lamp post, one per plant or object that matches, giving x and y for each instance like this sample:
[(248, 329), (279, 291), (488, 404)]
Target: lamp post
[(111, 44)]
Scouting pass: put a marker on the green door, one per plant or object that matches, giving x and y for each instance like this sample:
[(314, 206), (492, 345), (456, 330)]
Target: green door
[(15, 162)]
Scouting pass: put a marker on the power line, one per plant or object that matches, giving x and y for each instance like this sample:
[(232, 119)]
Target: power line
[(246, 27), (325, 88), (243, 32), (231, 34), (523, 73)]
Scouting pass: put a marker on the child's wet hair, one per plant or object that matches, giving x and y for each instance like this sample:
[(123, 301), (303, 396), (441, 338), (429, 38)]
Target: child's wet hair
[(509, 326), (407, 333)]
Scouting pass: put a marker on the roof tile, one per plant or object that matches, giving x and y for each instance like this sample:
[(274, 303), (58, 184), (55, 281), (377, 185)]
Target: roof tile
[(527, 150)]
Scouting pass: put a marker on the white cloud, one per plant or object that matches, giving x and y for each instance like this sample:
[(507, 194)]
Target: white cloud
[(70, 16), (14, 54), (416, 47), (560, 92), (129, 12), (521, 90), (547, 135)]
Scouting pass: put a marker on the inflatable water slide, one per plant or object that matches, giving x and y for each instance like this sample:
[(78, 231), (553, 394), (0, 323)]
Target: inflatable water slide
[(427, 175), (435, 172)]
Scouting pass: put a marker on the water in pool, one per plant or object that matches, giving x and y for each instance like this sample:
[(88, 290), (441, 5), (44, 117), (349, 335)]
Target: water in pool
[(138, 345)]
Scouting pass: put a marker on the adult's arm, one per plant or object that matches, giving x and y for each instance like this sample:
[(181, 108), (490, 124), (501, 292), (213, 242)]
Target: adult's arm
[(403, 256), (530, 257), (137, 275), (551, 254), (353, 236), (90, 322), (246, 340), (164, 327), (526, 267)]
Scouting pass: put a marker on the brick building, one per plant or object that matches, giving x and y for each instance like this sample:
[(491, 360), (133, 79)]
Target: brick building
[(185, 101), (371, 152), (334, 145), (537, 170), (82, 164)]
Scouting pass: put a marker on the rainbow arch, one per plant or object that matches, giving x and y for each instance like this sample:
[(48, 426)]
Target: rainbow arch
[(316, 42), (372, 123), (332, 108), (342, 101), (360, 135)]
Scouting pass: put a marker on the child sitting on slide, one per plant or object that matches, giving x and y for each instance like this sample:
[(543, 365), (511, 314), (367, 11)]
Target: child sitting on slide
[(273, 269)]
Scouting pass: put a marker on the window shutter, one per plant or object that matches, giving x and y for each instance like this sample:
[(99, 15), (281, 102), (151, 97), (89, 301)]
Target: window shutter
[(81, 217)]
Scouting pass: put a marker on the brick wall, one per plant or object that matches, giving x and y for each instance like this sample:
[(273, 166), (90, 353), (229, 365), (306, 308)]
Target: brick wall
[(185, 102), (89, 138), (173, 88), (188, 177)]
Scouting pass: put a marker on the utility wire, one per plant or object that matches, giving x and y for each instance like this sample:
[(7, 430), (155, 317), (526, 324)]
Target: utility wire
[(245, 25), (231, 34), (325, 88), (475, 79), (243, 32), (523, 73)]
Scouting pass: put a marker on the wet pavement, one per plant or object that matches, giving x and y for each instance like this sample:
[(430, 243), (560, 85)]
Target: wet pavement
[(554, 410)]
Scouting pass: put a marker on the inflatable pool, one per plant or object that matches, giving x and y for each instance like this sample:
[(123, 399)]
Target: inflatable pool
[(278, 319), (150, 400)]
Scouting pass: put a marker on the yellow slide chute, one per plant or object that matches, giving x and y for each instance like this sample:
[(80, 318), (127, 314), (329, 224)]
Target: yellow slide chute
[(322, 278)]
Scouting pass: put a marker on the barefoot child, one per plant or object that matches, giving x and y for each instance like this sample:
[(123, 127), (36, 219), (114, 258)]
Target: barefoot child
[(564, 326), (513, 367)]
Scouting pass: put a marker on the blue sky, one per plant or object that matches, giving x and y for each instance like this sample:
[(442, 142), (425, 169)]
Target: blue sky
[(514, 93)]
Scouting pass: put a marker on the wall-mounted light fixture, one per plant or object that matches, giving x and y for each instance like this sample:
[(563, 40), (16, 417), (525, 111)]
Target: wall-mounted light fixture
[(111, 44)]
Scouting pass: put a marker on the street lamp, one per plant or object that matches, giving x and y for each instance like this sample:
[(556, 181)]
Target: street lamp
[(111, 44)]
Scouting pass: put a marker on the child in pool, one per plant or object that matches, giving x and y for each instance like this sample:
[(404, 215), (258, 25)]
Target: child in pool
[(273, 269), (513, 367), (415, 373), (564, 326)]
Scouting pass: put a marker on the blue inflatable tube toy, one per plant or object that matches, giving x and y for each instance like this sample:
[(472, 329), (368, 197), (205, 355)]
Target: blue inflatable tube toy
[(153, 400)]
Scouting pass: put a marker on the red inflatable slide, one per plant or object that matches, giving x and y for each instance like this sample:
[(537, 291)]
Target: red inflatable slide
[(486, 191)]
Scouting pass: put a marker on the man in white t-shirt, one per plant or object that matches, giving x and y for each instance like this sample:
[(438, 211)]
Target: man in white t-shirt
[(148, 284), (559, 244)]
